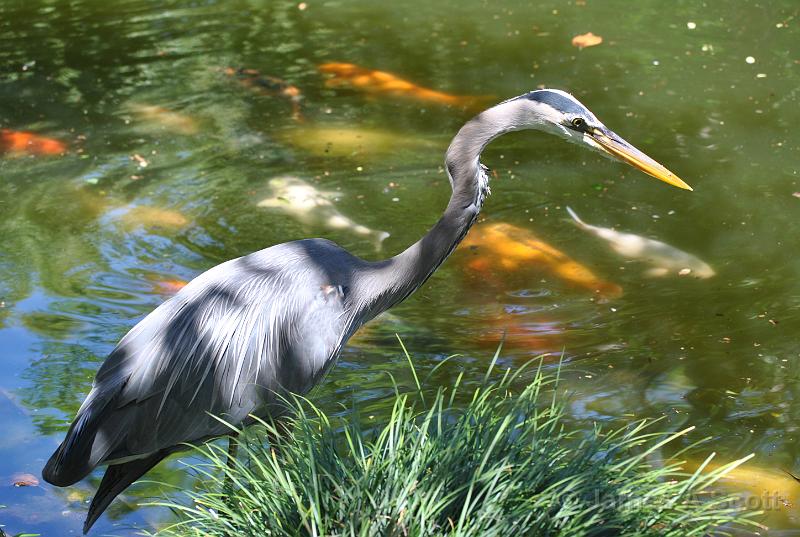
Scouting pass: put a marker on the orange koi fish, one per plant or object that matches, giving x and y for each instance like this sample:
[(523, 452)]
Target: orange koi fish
[(168, 287), (269, 85), (520, 332), (503, 248), (383, 83), (21, 142)]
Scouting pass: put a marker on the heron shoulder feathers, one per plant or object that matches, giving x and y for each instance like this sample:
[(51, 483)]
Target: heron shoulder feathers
[(226, 344)]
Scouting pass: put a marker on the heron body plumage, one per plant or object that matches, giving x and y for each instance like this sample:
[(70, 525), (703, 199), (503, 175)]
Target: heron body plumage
[(249, 331), (230, 344)]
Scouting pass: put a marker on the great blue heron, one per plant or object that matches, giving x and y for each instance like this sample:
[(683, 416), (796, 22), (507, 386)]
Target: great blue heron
[(243, 334)]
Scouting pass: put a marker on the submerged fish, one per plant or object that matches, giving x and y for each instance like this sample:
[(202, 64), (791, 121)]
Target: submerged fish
[(504, 247), (339, 140), (665, 259), (381, 82), (313, 207), (168, 287), (153, 217), (164, 118), (269, 85), (22, 142), (532, 334), (768, 488)]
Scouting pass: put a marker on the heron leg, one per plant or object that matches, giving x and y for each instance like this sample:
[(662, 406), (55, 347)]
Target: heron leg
[(233, 448)]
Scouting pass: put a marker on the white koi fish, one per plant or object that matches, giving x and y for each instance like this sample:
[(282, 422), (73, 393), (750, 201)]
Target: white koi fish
[(314, 207), (665, 259)]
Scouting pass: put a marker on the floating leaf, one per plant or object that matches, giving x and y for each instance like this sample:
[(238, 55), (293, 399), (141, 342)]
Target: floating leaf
[(24, 480), (586, 40)]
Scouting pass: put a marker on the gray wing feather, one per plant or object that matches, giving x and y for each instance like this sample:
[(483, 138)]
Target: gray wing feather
[(227, 345)]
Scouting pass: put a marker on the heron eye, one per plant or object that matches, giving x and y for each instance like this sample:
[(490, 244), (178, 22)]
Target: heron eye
[(578, 123)]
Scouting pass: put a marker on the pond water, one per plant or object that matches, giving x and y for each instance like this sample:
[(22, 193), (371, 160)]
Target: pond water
[(169, 155)]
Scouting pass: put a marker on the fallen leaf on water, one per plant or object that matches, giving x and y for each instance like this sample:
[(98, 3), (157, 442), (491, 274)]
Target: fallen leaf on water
[(586, 40), (24, 480), (140, 160)]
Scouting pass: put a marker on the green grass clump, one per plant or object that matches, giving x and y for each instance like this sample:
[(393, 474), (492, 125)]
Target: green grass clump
[(501, 464)]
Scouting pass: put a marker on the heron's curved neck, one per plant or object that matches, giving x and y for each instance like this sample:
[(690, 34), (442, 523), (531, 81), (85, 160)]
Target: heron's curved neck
[(389, 282)]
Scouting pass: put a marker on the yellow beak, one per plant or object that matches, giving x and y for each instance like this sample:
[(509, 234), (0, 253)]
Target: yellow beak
[(618, 148)]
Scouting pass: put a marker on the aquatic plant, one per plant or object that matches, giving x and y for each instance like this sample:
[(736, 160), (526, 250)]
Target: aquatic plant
[(500, 462)]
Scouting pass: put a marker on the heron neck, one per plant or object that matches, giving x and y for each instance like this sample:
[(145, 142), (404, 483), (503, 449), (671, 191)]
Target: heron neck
[(391, 281)]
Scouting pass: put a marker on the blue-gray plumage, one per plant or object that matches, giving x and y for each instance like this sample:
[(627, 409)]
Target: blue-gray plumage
[(240, 336)]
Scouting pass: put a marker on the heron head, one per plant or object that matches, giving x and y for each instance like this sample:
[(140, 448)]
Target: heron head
[(560, 113)]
